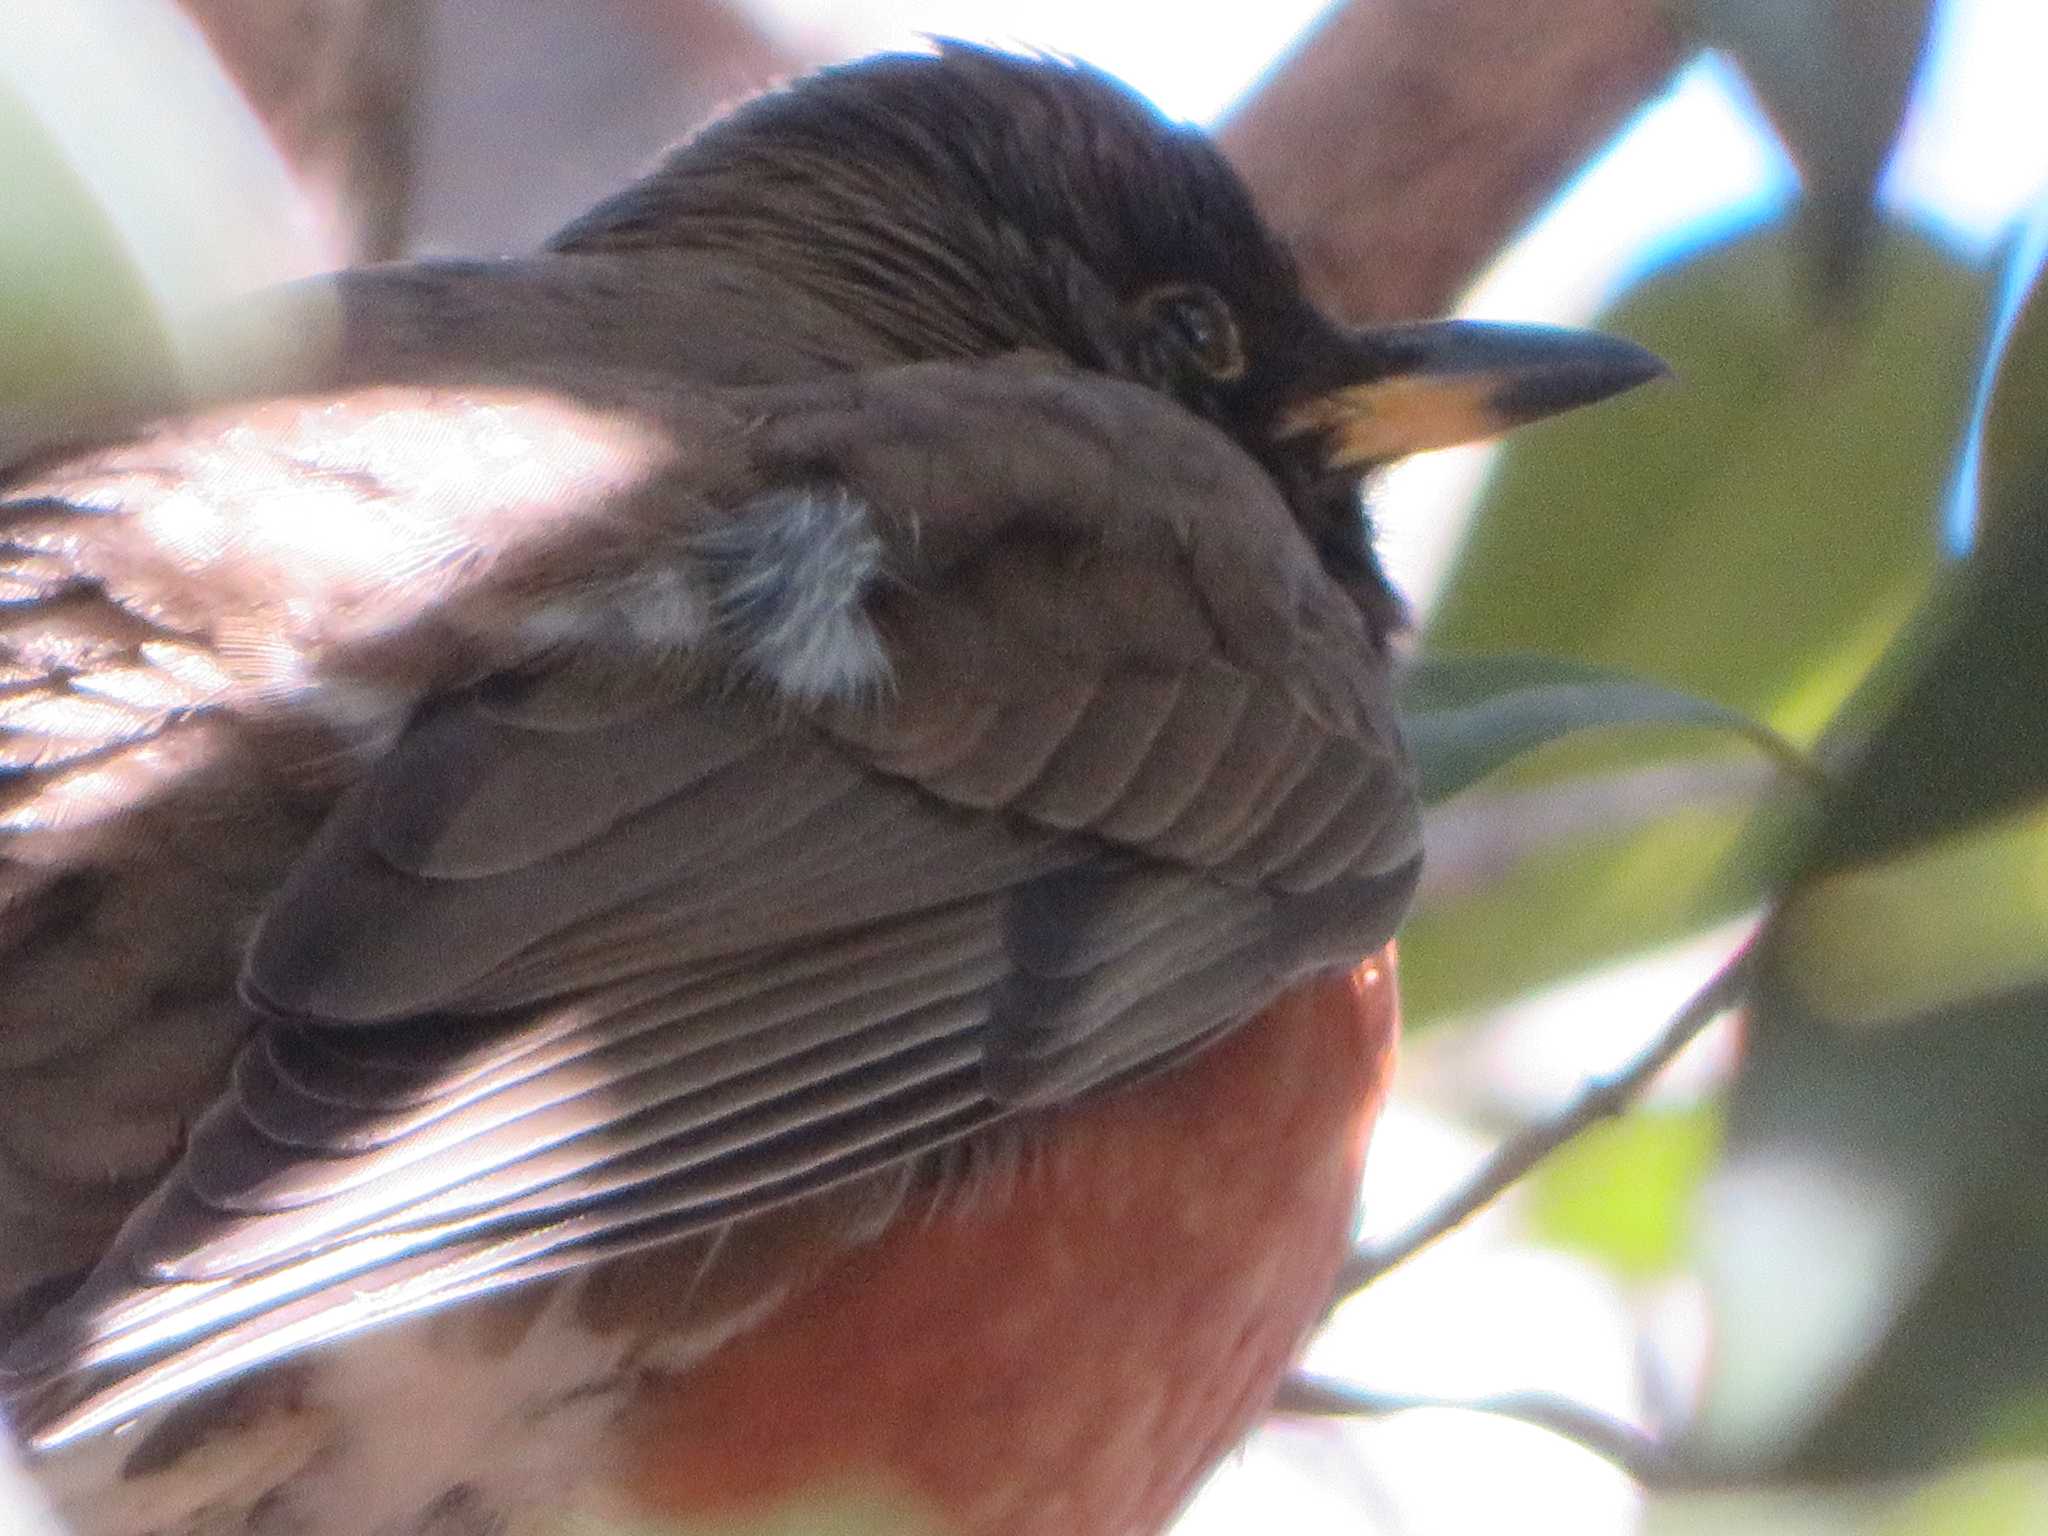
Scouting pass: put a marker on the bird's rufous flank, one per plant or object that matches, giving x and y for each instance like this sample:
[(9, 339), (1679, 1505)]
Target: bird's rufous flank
[(1071, 1360)]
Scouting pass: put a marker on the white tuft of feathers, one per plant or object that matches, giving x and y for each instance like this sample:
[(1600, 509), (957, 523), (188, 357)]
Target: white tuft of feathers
[(789, 579)]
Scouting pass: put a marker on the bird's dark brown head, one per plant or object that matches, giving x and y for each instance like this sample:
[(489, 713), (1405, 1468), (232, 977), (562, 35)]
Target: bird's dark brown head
[(973, 203)]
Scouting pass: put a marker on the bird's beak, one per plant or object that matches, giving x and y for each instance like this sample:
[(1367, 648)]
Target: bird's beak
[(1430, 385)]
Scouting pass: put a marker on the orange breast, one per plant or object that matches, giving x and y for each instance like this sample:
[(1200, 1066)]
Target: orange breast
[(1068, 1362)]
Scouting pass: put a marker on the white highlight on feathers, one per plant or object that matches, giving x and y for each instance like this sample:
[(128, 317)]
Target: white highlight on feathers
[(384, 1429), (661, 607), (205, 1492), (29, 1511), (781, 587), (658, 609), (789, 578), (366, 717), (523, 1430)]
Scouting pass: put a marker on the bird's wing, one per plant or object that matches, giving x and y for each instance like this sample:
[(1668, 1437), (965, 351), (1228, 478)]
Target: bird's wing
[(205, 634), (717, 812)]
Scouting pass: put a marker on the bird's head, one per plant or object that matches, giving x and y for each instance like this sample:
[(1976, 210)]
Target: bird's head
[(974, 203)]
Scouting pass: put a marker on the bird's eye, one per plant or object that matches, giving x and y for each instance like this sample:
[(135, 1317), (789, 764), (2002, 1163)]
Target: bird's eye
[(1199, 326)]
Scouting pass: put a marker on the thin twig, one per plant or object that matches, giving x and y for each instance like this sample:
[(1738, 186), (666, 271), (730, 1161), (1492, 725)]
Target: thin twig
[(1632, 1450), (1601, 1099)]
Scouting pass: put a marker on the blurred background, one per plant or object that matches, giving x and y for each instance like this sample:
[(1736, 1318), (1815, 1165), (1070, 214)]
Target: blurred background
[(1804, 1286)]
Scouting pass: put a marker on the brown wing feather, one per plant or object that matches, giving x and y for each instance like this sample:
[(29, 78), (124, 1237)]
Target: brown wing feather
[(553, 982), (199, 645), (140, 833)]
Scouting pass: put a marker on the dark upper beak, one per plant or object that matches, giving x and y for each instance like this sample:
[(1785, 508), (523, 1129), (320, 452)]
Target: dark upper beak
[(1405, 388)]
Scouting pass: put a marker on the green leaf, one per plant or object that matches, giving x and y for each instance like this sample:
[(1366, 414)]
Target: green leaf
[(2005, 1498), (1755, 534), (1988, 1498), (140, 192), (1945, 922), (1926, 878), (2015, 449), (78, 328), (1833, 76), (1623, 1192), (1898, 1064), (1467, 716), (1964, 735)]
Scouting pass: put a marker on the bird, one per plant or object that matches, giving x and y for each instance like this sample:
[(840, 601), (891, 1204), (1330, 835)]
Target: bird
[(750, 853)]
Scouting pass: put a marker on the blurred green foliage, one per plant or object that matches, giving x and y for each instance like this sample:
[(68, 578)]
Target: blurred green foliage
[(1754, 533), (2000, 1498), (140, 195), (1771, 535), (1897, 1025), (80, 332), (1469, 716), (1621, 1193)]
